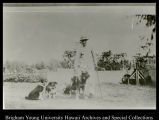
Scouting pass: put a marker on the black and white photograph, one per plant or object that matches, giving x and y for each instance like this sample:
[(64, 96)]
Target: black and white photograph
[(79, 56)]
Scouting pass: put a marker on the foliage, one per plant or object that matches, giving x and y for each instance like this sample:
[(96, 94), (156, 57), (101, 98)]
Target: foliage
[(64, 64), (40, 66), (68, 57), (21, 72), (150, 22), (110, 61), (106, 61)]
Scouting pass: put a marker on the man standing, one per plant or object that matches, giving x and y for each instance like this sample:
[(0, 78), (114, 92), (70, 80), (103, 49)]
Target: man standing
[(84, 63)]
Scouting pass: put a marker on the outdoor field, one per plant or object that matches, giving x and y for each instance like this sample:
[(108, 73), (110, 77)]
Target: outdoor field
[(115, 95)]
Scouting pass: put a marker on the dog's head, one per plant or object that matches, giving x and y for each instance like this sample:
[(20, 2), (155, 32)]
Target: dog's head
[(126, 76), (84, 76), (51, 85), (75, 79)]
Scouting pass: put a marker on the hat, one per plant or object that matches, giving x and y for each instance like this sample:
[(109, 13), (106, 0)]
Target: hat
[(82, 39)]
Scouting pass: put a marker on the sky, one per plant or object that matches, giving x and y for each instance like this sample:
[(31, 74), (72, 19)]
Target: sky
[(33, 34)]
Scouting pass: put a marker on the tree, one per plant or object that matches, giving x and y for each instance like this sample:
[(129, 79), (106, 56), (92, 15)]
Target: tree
[(40, 66), (68, 58), (105, 60), (150, 22), (110, 61)]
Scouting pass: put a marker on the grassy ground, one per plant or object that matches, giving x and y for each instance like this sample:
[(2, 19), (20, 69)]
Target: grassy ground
[(115, 95)]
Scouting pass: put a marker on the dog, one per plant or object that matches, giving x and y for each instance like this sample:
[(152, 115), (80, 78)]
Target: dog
[(125, 79), (35, 93), (83, 78), (51, 90), (77, 84)]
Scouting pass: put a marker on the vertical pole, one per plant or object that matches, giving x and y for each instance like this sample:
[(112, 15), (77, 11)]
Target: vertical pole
[(97, 74), (128, 81), (77, 94), (137, 74), (137, 78)]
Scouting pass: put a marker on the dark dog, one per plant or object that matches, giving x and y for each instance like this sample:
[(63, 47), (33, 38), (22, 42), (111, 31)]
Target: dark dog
[(51, 89), (75, 84), (35, 93), (84, 76), (125, 79)]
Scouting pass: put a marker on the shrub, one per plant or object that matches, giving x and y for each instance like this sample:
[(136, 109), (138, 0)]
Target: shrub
[(23, 78), (21, 72)]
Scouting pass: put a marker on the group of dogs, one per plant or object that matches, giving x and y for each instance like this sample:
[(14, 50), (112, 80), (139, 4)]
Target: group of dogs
[(77, 86), (42, 92)]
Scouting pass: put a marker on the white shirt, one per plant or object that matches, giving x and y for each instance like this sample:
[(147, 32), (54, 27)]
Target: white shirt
[(83, 59)]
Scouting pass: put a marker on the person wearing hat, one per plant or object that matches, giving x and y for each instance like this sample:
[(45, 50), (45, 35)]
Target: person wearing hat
[(84, 63)]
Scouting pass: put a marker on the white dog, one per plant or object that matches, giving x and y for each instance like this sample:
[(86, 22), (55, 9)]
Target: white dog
[(50, 90)]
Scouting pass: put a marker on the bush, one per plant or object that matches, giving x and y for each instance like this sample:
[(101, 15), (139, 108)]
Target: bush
[(21, 72), (23, 77)]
